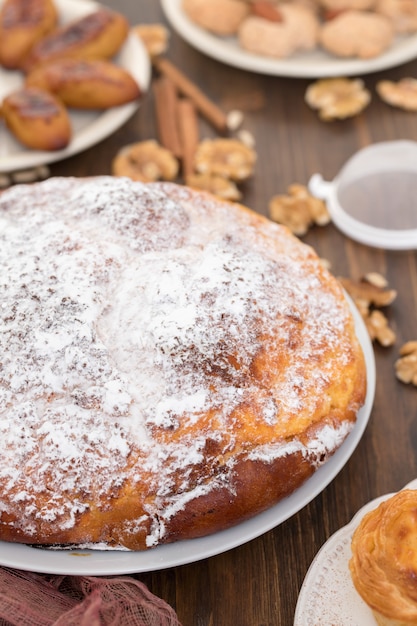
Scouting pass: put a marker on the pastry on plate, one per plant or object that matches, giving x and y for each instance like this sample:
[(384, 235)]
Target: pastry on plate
[(384, 560), (22, 24), (37, 119), (85, 84), (172, 364), (98, 35)]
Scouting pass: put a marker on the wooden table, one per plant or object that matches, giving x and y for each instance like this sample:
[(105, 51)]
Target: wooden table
[(257, 584)]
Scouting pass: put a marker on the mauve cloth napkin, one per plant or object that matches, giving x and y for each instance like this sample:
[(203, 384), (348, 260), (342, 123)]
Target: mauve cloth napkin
[(28, 599)]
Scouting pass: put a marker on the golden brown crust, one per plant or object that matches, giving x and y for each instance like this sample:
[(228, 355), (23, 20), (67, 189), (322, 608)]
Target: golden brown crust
[(98, 35), (384, 559), (200, 364), (85, 84), (22, 24), (37, 119)]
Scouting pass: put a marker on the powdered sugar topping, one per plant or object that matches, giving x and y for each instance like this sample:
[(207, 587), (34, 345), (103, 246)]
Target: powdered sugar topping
[(126, 314)]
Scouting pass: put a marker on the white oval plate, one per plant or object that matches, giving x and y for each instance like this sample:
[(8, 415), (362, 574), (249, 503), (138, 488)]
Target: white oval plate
[(328, 596), (113, 562), (314, 64), (89, 127)]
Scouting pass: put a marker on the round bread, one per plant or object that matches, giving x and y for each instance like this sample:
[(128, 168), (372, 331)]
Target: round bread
[(171, 364)]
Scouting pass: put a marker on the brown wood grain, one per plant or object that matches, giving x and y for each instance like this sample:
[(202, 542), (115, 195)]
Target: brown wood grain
[(257, 584)]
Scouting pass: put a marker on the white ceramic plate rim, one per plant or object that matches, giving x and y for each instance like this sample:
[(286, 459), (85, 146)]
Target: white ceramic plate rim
[(314, 64), (89, 127), (114, 562), (328, 593)]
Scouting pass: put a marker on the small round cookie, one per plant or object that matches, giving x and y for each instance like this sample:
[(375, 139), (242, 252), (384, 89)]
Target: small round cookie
[(357, 34), (298, 30), (402, 13), (222, 17), (344, 5)]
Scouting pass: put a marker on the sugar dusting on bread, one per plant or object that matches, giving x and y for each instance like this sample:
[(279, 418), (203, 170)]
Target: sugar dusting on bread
[(130, 329)]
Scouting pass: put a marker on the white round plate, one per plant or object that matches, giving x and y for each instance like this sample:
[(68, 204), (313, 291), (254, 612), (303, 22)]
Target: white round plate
[(328, 596), (89, 127), (114, 562), (315, 64)]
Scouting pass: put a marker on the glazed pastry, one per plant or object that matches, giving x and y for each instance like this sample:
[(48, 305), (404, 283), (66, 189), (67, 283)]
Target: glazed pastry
[(85, 84), (172, 364), (99, 35), (37, 119), (384, 560), (22, 24)]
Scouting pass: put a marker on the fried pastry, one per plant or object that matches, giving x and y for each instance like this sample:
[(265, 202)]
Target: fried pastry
[(384, 560), (172, 364), (37, 119), (22, 24), (98, 35), (86, 84)]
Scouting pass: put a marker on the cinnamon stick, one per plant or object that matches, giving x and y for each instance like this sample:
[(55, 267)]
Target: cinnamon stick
[(189, 134), (166, 109), (185, 86)]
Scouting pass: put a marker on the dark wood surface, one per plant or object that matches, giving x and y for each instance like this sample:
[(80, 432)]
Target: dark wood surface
[(257, 584)]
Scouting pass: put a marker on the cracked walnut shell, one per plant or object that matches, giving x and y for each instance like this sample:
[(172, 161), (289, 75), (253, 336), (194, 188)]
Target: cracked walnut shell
[(145, 161), (298, 210), (406, 365), (401, 94), (229, 158), (337, 98)]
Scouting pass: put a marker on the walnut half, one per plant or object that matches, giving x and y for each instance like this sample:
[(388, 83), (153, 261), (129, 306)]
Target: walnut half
[(337, 98), (406, 365), (298, 210)]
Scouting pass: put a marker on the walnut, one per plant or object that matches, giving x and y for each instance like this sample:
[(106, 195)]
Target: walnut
[(145, 161), (378, 328), (406, 365), (337, 98), (298, 210), (229, 158), (154, 37), (376, 279), (368, 293), (217, 185), (402, 94)]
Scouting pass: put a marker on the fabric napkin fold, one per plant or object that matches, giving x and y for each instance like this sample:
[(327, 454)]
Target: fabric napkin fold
[(29, 599)]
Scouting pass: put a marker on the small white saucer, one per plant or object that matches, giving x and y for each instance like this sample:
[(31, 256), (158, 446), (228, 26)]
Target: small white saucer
[(327, 596)]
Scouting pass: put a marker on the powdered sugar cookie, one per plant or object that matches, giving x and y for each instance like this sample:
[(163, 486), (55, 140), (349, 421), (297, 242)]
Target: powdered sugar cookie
[(222, 17), (357, 34), (402, 13), (298, 30), (343, 5)]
